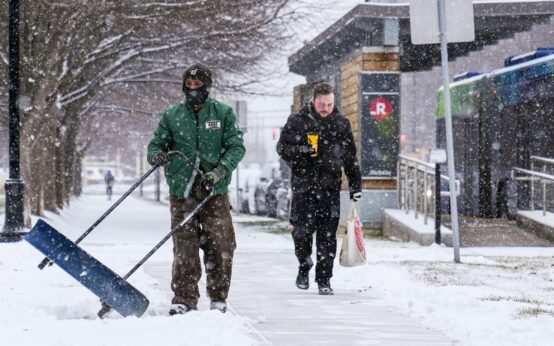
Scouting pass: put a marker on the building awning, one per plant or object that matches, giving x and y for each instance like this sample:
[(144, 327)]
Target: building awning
[(364, 24)]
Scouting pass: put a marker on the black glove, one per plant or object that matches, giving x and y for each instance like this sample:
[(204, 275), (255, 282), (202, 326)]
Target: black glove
[(211, 178), (306, 149), (159, 159), (355, 196)]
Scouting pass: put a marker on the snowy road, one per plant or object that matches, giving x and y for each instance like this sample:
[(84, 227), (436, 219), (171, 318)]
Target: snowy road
[(407, 295)]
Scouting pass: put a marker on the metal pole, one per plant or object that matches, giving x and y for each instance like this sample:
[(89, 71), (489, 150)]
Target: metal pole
[(449, 135), (415, 190), (532, 180), (437, 203), (408, 190), (14, 186), (141, 168), (398, 184), (405, 187), (544, 193), (425, 177), (238, 192), (402, 185)]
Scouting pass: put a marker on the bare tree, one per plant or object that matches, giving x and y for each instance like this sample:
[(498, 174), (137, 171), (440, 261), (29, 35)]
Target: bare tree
[(72, 51)]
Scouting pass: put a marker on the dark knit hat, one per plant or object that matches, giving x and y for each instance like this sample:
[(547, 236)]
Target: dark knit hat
[(199, 72)]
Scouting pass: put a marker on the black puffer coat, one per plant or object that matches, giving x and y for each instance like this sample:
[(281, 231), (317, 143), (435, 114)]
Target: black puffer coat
[(336, 150)]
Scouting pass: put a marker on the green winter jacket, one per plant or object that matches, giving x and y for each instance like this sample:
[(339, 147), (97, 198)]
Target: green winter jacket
[(216, 141)]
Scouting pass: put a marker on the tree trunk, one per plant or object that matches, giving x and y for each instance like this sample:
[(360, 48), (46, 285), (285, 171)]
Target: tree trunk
[(31, 194), (70, 159), (59, 176), (48, 174), (37, 183), (77, 174)]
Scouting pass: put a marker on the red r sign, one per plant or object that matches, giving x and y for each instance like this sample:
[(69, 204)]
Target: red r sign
[(380, 108)]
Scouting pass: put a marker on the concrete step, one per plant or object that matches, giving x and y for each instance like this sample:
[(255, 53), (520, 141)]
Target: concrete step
[(474, 231)]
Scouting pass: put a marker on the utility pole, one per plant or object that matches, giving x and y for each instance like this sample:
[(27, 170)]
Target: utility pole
[(13, 226), (441, 22), (449, 135)]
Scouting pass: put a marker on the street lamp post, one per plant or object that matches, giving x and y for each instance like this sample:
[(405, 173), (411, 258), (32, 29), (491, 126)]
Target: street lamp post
[(14, 187)]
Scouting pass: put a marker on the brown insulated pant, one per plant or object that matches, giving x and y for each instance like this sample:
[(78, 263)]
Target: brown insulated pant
[(212, 231)]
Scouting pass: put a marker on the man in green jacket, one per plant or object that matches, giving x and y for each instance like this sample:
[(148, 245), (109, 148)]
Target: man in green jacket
[(206, 133)]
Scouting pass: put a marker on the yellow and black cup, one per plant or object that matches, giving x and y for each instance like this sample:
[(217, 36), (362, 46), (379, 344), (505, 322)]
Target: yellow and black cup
[(313, 140)]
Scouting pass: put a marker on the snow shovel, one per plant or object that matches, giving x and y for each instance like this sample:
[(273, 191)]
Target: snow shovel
[(87, 270), (107, 305), (47, 262)]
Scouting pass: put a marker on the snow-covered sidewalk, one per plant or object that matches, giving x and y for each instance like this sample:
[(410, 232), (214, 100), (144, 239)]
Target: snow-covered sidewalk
[(407, 295), (264, 291)]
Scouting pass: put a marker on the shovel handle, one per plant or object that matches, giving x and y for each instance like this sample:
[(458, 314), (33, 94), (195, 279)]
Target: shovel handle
[(46, 261)]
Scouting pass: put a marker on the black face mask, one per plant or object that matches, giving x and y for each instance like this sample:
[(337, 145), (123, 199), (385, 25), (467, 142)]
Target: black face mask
[(196, 97)]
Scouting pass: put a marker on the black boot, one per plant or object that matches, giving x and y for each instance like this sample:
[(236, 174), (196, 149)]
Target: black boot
[(220, 305), (303, 278), (325, 287), (180, 309)]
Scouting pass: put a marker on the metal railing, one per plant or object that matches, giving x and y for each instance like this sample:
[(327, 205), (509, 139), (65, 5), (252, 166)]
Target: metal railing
[(2, 196), (417, 186), (534, 176), (536, 161)]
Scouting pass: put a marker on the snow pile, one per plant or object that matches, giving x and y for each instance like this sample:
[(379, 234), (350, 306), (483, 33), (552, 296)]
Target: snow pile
[(498, 296)]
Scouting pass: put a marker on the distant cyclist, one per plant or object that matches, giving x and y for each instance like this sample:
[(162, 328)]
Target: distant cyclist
[(109, 180)]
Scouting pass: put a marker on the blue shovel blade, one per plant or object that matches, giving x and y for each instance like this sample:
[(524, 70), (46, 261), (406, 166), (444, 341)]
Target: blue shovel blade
[(91, 273)]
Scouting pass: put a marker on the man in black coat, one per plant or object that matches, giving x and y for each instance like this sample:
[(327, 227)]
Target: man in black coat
[(317, 143)]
